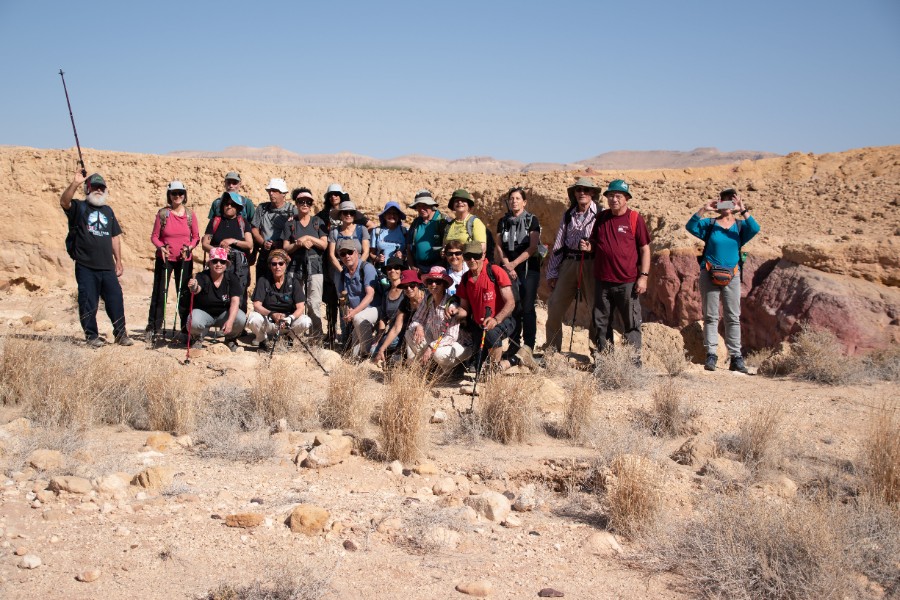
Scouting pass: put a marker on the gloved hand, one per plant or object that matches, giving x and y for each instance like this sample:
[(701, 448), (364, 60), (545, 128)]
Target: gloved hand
[(288, 321)]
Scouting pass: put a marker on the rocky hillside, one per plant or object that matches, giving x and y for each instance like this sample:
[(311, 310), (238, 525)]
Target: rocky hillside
[(829, 250)]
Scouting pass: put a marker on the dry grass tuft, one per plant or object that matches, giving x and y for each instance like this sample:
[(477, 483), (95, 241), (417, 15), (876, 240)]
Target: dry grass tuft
[(882, 457), (579, 417), (741, 546), (230, 428), (817, 355), (66, 440), (346, 405), (402, 416), (171, 403), (884, 364), (669, 417), (556, 364), (509, 407), (615, 368), (757, 441), (633, 494), (278, 392), (281, 583), (673, 358)]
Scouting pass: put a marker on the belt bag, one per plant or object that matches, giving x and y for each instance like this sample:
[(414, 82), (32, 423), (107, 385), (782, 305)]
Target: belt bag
[(719, 275)]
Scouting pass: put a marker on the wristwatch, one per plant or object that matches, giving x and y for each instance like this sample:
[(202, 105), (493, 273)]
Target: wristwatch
[(744, 212), (644, 274)]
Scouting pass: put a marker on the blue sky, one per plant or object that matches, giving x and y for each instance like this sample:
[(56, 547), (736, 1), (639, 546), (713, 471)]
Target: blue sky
[(531, 81)]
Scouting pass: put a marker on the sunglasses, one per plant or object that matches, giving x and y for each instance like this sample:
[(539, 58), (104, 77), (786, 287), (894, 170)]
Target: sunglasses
[(230, 205), (431, 282), (454, 253), (393, 268), (471, 256), (176, 193), (232, 182), (101, 188), (344, 253), (344, 213), (304, 202), (409, 286), (277, 263), (218, 261)]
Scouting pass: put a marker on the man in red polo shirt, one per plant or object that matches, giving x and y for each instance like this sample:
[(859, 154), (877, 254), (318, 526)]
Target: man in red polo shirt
[(621, 245)]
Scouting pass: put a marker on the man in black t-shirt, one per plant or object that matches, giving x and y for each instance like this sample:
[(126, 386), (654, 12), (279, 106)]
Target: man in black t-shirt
[(95, 246)]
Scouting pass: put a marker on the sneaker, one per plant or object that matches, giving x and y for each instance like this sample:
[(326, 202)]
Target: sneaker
[(737, 364), (265, 345), (527, 358), (711, 360), (96, 343), (124, 340), (149, 335), (231, 345)]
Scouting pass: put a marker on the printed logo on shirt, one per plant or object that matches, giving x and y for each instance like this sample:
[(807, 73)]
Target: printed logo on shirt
[(623, 229), (487, 296), (98, 224)]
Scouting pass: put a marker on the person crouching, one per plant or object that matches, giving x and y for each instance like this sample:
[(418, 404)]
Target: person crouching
[(217, 294), (279, 303)]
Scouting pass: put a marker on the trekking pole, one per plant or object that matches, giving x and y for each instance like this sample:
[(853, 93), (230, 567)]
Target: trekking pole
[(479, 362), (187, 359), (178, 291), (276, 338), (577, 296), (165, 303), (309, 350), (72, 117)]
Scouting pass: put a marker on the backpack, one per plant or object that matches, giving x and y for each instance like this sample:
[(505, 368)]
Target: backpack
[(74, 223), (741, 255), (163, 215), (518, 308)]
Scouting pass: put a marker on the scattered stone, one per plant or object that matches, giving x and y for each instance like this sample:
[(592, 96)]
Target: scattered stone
[(308, 519), (21, 551), (493, 506), (390, 526), (526, 501), (43, 459), (602, 543), (154, 478), (18, 426), (30, 561), (160, 440), (368, 447), (257, 500), (425, 468), (439, 416), (350, 546), (729, 472), (282, 426), (71, 484), (184, 441), (88, 576), (115, 484), (43, 325), (442, 537), (479, 589), (54, 514), (300, 457), (244, 520), (549, 592), (396, 467), (444, 487), (332, 451), (512, 522)]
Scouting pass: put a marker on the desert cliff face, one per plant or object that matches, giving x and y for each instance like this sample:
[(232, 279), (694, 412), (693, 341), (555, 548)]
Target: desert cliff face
[(829, 249)]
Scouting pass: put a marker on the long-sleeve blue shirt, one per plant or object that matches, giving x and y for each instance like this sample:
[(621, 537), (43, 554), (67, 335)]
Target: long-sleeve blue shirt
[(724, 246)]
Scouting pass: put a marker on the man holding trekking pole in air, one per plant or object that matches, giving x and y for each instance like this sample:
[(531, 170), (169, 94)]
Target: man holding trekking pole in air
[(94, 244)]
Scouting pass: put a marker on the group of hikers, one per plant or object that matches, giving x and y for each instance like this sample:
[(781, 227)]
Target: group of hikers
[(444, 288)]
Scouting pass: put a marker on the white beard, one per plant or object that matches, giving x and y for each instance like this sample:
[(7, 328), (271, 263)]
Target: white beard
[(97, 198)]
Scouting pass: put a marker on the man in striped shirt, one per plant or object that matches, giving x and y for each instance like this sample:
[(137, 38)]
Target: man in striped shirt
[(569, 268)]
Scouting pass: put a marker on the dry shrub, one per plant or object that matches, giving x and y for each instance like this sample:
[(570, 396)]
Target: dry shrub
[(508, 410), (884, 364), (229, 427), (556, 364), (346, 404), (882, 456), (67, 440), (743, 547), (429, 529), (633, 494), (579, 417), (279, 583), (758, 437), (817, 355), (668, 417), (278, 392), (673, 358), (171, 403), (402, 416), (616, 368)]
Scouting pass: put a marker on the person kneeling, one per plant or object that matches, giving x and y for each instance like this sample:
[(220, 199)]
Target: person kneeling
[(434, 331), (279, 303), (486, 298), (217, 295)]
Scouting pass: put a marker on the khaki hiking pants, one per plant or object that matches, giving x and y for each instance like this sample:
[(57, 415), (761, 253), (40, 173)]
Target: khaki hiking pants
[(564, 295)]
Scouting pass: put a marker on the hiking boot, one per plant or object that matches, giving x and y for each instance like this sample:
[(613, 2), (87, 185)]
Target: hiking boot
[(711, 361), (737, 364), (124, 340), (231, 345), (96, 343), (527, 358), (149, 335), (266, 345)]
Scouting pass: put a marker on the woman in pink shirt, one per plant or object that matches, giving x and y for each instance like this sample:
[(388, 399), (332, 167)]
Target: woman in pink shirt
[(175, 235)]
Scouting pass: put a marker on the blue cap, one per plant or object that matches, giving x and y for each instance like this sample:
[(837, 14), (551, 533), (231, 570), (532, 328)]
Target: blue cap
[(234, 197)]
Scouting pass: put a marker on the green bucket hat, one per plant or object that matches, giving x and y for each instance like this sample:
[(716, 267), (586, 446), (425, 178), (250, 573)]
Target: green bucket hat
[(618, 185), (462, 195), (585, 182)]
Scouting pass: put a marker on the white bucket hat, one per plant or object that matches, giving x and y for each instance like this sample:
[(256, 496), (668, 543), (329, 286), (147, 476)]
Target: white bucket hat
[(278, 185)]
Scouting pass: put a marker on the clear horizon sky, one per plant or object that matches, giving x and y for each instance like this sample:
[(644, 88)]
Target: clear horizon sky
[(530, 81)]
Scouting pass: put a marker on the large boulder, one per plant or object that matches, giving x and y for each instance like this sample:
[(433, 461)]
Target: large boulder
[(865, 316)]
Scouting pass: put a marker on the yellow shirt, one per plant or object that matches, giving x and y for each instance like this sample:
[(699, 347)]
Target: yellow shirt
[(458, 231)]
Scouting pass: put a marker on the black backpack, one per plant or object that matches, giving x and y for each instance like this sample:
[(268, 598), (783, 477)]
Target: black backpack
[(74, 223)]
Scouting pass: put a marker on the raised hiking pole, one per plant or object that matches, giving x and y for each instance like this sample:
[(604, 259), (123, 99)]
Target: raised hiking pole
[(478, 361), (75, 131), (577, 296), (187, 359)]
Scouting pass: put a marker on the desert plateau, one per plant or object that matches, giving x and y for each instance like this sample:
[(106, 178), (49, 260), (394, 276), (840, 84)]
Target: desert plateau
[(129, 472)]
